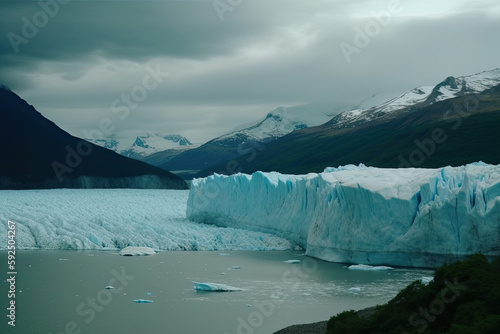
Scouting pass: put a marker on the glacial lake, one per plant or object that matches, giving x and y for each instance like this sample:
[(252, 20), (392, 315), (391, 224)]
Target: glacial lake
[(64, 291)]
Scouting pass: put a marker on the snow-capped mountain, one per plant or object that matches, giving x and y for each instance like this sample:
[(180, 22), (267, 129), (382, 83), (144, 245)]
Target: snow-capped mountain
[(277, 123), (421, 96), (111, 143), (145, 145), (151, 143), (245, 138)]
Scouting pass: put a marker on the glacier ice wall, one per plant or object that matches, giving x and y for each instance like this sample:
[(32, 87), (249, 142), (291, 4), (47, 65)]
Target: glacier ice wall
[(358, 214)]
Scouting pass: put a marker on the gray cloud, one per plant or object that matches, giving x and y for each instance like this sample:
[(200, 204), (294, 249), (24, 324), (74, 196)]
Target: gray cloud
[(222, 73)]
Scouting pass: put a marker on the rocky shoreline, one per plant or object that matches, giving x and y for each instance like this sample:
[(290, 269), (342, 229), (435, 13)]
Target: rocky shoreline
[(314, 328), (319, 327)]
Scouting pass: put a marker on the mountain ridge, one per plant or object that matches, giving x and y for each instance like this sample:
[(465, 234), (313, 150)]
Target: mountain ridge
[(465, 125), (252, 136), (419, 97)]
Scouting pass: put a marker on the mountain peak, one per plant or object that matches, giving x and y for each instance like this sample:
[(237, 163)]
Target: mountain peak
[(421, 96), (278, 122)]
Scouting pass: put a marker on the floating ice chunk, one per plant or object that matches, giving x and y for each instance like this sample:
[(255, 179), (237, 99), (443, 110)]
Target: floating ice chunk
[(109, 287), (148, 293), (369, 268), (137, 251), (63, 259), (142, 301), (355, 289), (223, 254), (426, 279), (216, 287), (234, 267), (292, 261)]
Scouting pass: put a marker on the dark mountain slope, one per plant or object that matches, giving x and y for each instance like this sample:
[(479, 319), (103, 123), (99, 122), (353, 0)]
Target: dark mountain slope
[(36, 153)]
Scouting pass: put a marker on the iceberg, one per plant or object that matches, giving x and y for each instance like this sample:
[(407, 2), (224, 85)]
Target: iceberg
[(369, 268), (292, 261), (215, 287), (137, 251), (410, 217), (143, 301)]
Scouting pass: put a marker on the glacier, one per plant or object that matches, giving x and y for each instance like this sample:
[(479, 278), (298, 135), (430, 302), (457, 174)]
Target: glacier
[(113, 219), (364, 215)]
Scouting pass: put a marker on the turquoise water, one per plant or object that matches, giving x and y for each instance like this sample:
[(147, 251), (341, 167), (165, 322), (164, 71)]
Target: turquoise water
[(64, 291)]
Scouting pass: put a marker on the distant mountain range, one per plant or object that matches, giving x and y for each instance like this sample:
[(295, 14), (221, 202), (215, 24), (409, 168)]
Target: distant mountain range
[(418, 98), (277, 123), (36, 153), (146, 145), (453, 123), (247, 138)]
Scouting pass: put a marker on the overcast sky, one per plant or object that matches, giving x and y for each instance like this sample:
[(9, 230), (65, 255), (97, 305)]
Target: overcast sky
[(87, 65)]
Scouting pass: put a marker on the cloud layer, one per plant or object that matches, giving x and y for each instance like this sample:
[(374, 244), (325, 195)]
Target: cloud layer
[(230, 62)]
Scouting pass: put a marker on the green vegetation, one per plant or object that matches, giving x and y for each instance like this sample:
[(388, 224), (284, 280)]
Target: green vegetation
[(464, 298)]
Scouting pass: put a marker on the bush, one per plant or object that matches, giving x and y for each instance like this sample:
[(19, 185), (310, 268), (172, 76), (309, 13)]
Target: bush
[(463, 298)]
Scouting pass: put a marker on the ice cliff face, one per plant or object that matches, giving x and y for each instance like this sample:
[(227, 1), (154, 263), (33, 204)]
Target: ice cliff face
[(357, 214)]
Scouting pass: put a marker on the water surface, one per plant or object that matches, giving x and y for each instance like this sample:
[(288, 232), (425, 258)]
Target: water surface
[(64, 291)]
